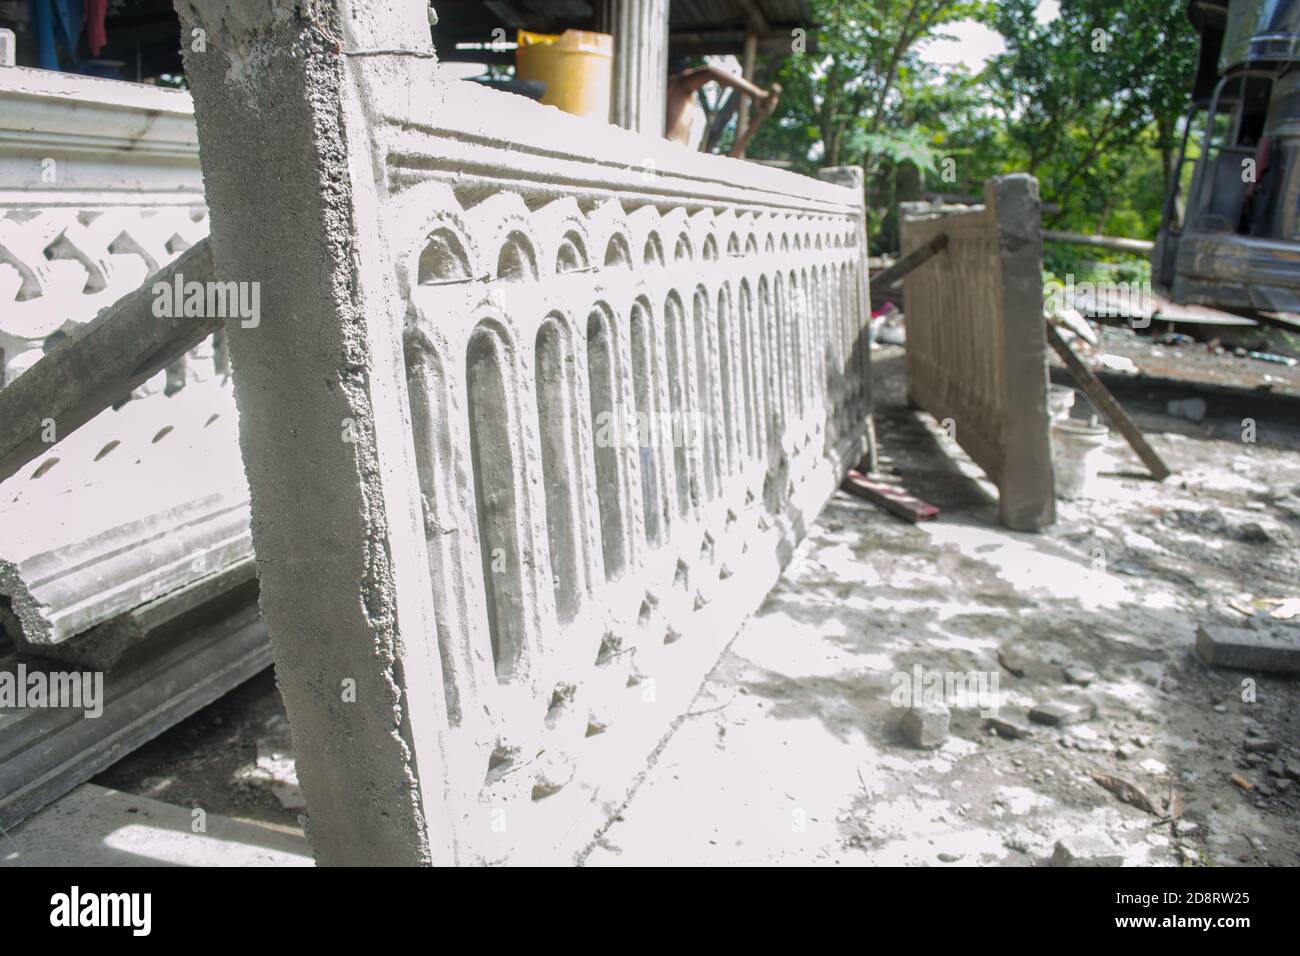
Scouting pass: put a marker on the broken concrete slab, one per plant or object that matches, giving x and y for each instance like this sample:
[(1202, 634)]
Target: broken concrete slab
[(1080, 675), (1009, 726), (1275, 650), (1062, 713)]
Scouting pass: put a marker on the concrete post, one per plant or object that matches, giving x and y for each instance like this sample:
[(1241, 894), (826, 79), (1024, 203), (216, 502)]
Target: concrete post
[(638, 99), (284, 123), (1027, 499)]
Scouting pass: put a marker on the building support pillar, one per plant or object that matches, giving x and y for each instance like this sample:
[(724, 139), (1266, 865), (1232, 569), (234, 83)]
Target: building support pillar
[(639, 93)]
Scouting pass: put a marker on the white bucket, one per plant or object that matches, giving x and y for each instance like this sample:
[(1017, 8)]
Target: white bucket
[(1076, 455), (1060, 399)]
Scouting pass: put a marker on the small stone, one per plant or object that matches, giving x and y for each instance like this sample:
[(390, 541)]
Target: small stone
[(949, 857), (1277, 768), (1128, 751), (290, 796), (1220, 709), (926, 725), (1293, 769), (1061, 713), (1261, 745), (1008, 727), (1193, 409), (1082, 676), (1185, 827), (1085, 849), (1255, 533), (1188, 854)]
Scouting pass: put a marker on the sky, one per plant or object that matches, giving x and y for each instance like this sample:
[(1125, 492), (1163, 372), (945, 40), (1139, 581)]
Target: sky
[(972, 44)]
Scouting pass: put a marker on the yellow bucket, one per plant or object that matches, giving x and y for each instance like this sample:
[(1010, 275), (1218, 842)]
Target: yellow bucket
[(575, 66)]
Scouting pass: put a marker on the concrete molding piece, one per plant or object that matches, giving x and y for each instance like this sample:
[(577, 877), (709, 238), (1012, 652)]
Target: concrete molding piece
[(57, 593), (976, 340), (45, 752), (104, 646), (522, 591), (73, 140), (145, 500)]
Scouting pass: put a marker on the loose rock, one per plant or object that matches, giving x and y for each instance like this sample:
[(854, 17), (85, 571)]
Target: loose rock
[(1062, 713), (1085, 849), (926, 725)]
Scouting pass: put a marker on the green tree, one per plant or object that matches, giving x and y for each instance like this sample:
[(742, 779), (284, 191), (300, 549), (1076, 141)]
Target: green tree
[(1088, 98), (842, 103)]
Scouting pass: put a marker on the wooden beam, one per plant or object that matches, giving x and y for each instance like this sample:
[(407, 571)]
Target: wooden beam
[(1105, 402), (891, 499), (913, 260), (1115, 243)]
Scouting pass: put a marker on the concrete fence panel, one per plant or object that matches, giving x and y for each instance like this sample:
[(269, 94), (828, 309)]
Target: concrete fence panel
[(536, 412), (976, 346)]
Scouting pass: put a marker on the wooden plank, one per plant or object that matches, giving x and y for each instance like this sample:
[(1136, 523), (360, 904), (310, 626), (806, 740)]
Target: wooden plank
[(914, 259), (1116, 243), (100, 365), (1105, 403), (891, 499)]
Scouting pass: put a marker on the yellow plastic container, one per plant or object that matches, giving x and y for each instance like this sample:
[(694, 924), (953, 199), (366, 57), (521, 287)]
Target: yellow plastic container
[(575, 66)]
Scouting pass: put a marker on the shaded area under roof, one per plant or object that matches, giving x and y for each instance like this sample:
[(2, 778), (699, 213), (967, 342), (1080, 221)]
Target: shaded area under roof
[(144, 35), (696, 27)]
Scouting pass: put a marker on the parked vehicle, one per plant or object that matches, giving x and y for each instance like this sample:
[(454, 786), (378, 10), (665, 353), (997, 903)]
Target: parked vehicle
[(1235, 243)]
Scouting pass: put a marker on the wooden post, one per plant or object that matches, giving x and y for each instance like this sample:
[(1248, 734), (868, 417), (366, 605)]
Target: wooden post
[(1110, 409), (747, 71)]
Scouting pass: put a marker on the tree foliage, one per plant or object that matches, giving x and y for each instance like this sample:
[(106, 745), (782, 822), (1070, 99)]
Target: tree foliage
[(1089, 101)]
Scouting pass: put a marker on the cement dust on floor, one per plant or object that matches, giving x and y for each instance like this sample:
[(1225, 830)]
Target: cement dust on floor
[(792, 753)]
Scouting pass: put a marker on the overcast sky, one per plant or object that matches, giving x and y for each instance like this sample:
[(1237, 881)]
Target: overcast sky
[(972, 43)]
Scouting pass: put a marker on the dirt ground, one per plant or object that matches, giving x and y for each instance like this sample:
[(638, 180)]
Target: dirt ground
[(792, 752)]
